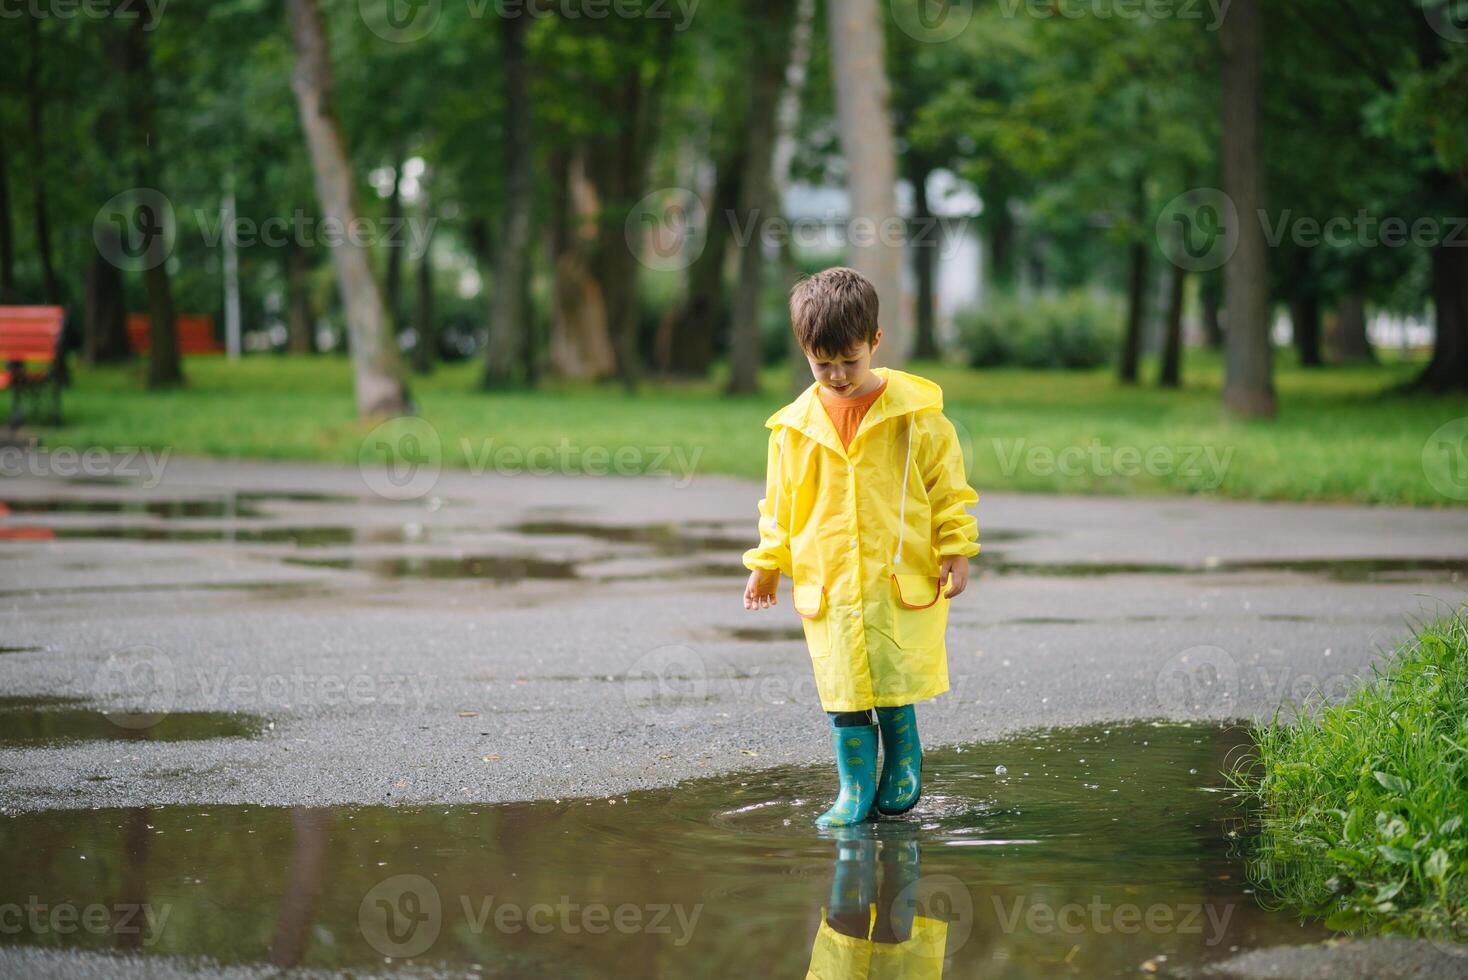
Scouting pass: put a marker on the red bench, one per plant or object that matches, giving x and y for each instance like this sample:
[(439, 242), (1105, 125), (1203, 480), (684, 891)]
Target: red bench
[(195, 333), (30, 347)]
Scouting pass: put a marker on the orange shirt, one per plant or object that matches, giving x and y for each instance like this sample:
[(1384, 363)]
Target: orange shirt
[(846, 413)]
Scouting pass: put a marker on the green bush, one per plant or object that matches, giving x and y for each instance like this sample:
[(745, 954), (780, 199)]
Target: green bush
[(1071, 330)]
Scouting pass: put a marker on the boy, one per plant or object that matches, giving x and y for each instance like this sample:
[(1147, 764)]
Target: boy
[(865, 508)]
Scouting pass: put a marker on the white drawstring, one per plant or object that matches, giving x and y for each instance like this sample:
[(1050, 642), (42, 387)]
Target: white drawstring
[(902, 511)]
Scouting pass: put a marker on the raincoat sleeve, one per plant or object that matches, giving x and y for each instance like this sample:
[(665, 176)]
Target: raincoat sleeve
[(956, 530), (773, 551)]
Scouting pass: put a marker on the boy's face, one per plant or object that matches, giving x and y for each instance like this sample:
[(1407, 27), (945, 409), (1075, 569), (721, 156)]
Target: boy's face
[(849, 375)]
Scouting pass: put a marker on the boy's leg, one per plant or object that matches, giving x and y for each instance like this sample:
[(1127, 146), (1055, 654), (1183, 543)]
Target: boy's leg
[(902, 760), (853, 884), (897, 896), (854, 738)]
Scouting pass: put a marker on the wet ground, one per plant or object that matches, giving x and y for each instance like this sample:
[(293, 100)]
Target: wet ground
[(323, 670)]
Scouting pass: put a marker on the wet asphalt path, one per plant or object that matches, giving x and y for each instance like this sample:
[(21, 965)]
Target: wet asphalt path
[(514, 638)]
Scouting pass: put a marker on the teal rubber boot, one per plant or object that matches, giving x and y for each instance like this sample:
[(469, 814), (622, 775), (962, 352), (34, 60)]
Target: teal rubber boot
[(902, 761), (856, 761)]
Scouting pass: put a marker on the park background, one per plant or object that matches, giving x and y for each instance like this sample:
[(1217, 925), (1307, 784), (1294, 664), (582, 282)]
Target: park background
[(1108, 229)]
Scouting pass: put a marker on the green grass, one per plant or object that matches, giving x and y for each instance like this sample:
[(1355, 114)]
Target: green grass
[(1363, 802), (1341, 434)]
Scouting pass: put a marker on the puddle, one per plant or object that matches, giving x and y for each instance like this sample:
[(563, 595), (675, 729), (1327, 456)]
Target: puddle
[(671, 539), (301, 537), (167, 509), (491, 567), (1099, 850), (48, 720), (1358, 570), (22, 649), (754, 634)]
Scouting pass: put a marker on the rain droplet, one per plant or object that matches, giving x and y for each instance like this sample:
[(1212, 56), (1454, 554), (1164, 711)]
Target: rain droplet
[(1000, 770)]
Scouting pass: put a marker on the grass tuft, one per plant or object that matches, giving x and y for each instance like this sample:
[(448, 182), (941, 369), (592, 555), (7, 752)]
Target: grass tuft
[(1363, 802)]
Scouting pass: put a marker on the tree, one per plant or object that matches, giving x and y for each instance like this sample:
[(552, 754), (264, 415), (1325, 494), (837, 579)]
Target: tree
[(375, 361), (863, 112), (509, 336), (1248, 359)]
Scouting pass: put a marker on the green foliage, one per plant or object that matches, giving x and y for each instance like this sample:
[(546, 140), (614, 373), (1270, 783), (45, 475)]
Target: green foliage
[(1072, 330), (1364, 802)]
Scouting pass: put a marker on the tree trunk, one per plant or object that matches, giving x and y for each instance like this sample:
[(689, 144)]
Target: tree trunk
[(423, 351), (7, 229), (1248, 360), (392, 289), (757, 203), (165, 367), (375, 359), (36, 93), (999, 244), (299, 329), (1448, 369), (1305, 325), (1348, 342), (863, 102), (695, 328), (508, 331), (1210, 294), (104, 318), (580, 342), (1136, 313), (310, 855), (925, 241), (1171, 374)]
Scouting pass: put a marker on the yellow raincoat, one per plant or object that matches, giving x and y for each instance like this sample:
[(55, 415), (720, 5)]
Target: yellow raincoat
[(861, 533)]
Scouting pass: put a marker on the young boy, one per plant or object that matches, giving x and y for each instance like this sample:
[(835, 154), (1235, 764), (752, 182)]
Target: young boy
[(866, 509)]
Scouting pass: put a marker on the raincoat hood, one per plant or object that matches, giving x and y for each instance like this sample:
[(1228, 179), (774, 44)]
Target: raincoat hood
[(905, 394)]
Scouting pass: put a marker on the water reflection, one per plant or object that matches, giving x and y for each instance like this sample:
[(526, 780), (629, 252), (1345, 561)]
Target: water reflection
[(1097, 850)]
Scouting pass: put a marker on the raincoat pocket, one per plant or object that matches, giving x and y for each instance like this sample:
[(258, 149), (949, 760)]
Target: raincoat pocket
[(809, 600), (920, 612)]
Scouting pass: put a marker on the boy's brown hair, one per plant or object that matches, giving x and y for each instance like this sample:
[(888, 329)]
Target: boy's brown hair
[(833, 311)]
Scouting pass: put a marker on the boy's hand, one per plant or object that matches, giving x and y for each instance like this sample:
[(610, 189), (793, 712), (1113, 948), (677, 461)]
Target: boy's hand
[(954, 567), (759, 593)]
